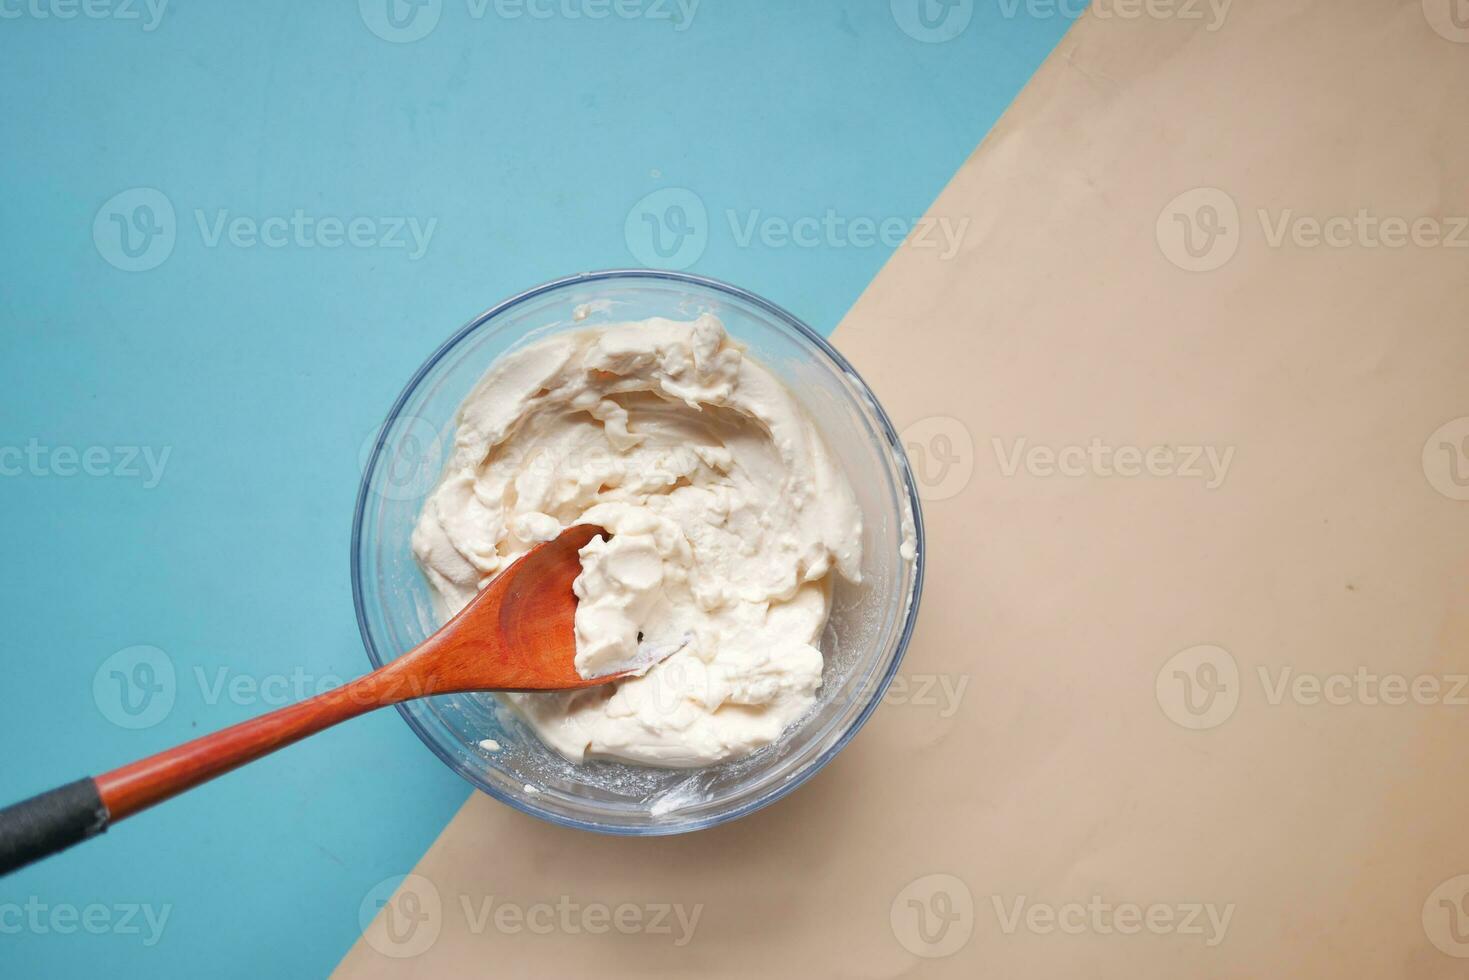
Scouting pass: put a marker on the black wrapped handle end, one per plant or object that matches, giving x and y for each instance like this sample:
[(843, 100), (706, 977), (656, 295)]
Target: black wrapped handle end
[(50, 822)]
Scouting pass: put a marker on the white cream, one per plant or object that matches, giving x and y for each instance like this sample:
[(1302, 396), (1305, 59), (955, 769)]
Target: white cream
[(727, 516)]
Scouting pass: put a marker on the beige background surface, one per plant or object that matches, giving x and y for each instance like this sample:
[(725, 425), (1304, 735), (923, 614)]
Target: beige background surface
[(1067, 608)]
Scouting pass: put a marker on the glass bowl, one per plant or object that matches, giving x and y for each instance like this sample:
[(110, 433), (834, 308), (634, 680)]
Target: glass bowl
[(864, 640)]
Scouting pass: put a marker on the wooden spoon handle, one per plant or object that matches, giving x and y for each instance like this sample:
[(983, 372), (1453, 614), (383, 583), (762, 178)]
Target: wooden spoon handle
[(70, 814), (141, 784)]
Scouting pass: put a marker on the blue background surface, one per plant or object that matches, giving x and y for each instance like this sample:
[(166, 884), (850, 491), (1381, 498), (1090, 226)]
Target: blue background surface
[(531, 144)]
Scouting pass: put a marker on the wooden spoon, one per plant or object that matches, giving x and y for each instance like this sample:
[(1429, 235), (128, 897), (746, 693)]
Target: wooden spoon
[(516, 635)]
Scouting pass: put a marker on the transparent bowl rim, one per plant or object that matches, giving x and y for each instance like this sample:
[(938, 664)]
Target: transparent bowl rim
[(887, 431)]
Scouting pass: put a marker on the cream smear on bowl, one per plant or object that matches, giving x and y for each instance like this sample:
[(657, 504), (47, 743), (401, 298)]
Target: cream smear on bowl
[(728, 520)]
